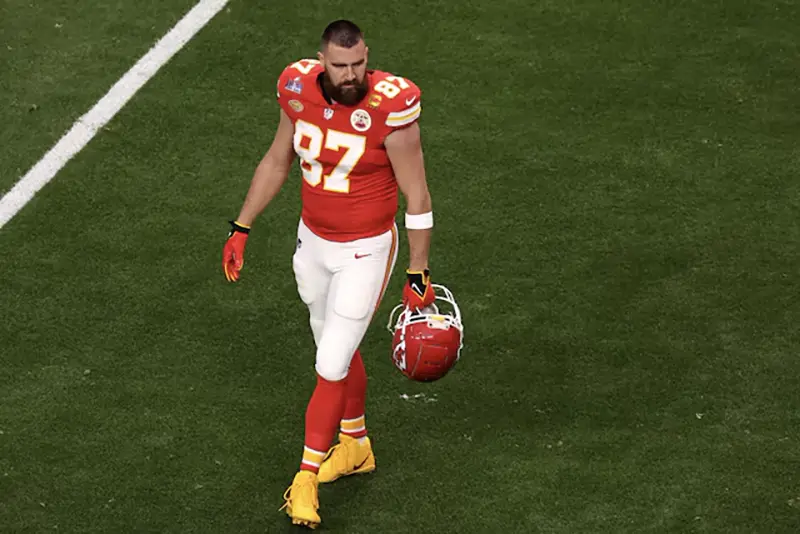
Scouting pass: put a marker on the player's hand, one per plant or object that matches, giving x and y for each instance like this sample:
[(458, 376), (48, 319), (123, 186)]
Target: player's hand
[(418, 291), (233, 251)]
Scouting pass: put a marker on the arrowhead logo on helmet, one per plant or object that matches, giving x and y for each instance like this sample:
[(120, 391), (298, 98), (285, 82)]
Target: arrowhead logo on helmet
[(427, 343)]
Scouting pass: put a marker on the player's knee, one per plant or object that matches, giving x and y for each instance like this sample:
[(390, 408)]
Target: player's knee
[(331, 370), (333, 358), (340, 339)]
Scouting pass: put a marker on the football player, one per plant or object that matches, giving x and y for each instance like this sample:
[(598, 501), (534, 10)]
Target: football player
[(356, 135)]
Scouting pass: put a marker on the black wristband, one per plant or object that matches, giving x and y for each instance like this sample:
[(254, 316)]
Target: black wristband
[(236, 227)]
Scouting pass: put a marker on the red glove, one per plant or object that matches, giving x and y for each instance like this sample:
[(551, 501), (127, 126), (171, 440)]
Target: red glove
[(233, 251), (418, 291)]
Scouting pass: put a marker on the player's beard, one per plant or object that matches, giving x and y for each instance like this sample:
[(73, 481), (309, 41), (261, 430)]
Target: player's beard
[(348, 94)]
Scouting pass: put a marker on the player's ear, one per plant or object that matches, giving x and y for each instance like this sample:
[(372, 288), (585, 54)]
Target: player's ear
[(366, 54), (320, 57)]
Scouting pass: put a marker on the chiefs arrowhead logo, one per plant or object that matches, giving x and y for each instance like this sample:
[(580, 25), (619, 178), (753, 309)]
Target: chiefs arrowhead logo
[(360, 120)]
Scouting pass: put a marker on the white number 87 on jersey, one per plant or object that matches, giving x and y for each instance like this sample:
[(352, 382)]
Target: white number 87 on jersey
[(337, 180), (389, 89)]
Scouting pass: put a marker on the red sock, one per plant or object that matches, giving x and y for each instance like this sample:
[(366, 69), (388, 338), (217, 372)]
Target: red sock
[(353, 422), (322, 416)]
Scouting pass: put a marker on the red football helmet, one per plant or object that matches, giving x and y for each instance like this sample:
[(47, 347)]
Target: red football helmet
[(426, 342)]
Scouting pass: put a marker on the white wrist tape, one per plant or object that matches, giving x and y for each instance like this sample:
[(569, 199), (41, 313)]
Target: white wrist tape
[(421, 221)]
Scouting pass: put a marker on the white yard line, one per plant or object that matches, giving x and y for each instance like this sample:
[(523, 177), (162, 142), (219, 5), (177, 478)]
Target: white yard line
[(87, 126)]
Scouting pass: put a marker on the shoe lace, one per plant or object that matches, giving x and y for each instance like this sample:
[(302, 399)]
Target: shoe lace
[(287, 498), (304, 486)]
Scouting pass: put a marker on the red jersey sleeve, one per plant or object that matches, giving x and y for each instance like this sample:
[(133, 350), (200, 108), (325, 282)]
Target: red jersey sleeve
[(292, 85), (405, 107)]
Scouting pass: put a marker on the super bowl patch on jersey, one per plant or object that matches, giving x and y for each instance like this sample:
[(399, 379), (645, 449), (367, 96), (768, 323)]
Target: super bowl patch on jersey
[(294, 85), (360, 120)]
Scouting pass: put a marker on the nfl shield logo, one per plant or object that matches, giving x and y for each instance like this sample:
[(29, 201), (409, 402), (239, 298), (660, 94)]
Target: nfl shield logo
[(328, 113)]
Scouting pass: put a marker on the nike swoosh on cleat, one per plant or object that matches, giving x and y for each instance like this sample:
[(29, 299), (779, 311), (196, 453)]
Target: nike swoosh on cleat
[(359, 466)]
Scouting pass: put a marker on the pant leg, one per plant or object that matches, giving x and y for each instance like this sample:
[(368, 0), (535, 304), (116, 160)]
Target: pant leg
[(312, 276), (362, 270)]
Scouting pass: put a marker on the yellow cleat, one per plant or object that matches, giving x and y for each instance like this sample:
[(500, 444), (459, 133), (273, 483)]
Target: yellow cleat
[(348, 457), (302, 500)]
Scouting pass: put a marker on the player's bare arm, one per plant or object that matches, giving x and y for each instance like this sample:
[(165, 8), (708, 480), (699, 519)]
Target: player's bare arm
[(269, 177), (271, 173), (404, 148)]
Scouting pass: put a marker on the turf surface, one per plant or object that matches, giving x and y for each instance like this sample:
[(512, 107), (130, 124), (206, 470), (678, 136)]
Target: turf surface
[(616, 193)]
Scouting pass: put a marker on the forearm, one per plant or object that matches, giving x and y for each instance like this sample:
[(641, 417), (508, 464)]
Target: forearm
[(267, 181), (419, 215), (419, 242)]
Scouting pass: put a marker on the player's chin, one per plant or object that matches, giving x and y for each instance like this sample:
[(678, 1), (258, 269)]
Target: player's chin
[(350, 95), (348, 98)]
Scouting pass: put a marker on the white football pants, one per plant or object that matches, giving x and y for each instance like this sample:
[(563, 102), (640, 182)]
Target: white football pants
[(342, 284)]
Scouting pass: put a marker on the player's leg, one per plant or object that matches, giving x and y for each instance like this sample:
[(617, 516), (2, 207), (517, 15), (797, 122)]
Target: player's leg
[(312, 276), (312, 264), (352, 296), (353, 423), (313, 284), (355, 294)]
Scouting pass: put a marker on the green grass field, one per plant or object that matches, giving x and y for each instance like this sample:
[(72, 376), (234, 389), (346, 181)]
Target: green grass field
[(618, 214)]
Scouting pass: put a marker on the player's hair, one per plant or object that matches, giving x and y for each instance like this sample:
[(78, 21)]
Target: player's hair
[(342, 33)]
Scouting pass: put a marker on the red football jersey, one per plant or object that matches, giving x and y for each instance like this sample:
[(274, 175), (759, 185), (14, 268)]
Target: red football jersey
[(349, 190)]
